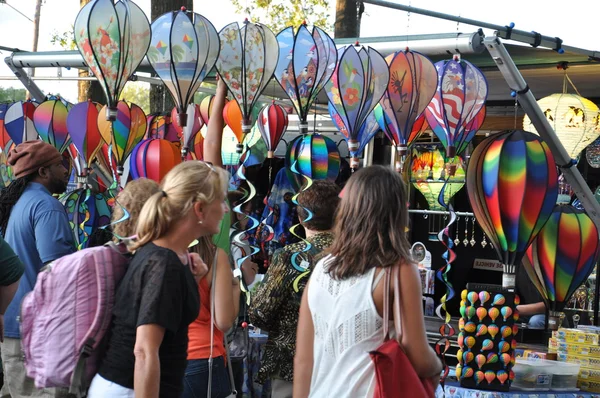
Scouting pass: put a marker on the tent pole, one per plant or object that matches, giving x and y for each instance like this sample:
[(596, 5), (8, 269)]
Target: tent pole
[(568, 166), (506, 32), (29, 84)]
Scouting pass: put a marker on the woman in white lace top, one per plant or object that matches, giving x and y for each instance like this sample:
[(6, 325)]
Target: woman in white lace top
[(341, 312)]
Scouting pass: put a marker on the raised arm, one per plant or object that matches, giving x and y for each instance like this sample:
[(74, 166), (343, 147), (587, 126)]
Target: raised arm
[(227, 293), (214, 134)]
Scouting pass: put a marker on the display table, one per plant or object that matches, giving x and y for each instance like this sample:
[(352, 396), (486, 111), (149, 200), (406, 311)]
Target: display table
[(453, 390)]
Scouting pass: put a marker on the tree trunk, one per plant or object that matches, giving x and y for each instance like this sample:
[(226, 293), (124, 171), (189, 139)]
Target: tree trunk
[(347, 18), (89, 89), (160, 98), (36, 28)]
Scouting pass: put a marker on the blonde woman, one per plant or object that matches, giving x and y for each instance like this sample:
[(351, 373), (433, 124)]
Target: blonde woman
[(158, 297), (341, 312)]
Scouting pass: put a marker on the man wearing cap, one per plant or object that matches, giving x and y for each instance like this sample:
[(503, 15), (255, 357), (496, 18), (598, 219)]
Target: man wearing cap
[(36, 226)]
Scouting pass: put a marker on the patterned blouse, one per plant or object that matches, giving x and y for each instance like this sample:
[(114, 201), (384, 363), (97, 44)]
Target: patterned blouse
[(276, 304)]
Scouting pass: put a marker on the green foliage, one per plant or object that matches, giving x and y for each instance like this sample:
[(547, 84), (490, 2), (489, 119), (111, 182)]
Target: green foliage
[(177, 52), (138, 93), (10, 94), (64, 40), (279, 14)]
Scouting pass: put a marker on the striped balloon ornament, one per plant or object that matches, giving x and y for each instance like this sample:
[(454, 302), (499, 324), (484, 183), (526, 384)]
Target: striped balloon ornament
[(512, 185), (314, 156), (50, 121), (563, 255), (153, 159), (272, 123)]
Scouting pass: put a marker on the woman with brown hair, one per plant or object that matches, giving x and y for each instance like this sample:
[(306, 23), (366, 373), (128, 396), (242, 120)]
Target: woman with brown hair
[(342, 307)]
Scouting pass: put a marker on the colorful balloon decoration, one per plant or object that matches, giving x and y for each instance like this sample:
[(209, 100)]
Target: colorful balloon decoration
[(430, 175), (573, 118), (113, 38), (4, 136), (512, 187), (246, 63), (18, 121), (562, 256), (87, 212), (50, 121), (162, 126), (592, 154), (356, 86), (206, 108), (368, 130), (315, 156), (183, 49), (192, 127), (306, 62), (460, 95), (272, 124), (125, 132), (82, 123), (6, 172), (412, 85), (153, 159)]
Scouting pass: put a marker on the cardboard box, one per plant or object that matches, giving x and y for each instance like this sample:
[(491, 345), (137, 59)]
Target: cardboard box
[(589, 374), (588, 386), (553, 345), (578, 349), (584, 361), (577, 336)]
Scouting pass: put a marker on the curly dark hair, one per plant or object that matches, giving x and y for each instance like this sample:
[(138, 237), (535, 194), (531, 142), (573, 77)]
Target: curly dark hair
[(321, 199), (9, 197)]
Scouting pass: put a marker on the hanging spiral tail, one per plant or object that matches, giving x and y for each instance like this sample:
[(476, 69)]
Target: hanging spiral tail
[(111, 193), (300, 267), (265, 232), (446, 330), (252, 224)]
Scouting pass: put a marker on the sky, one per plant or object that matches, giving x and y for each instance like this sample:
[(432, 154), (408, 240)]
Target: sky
[(573, 22)]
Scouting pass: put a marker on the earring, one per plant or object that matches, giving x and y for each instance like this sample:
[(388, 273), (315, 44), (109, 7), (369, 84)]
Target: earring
[(466, 239), (484, 242), (199, 221), (472, 241), (456, 240)]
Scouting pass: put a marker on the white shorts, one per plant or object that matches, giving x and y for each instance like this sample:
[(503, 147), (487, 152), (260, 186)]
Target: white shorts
[(102, 388)]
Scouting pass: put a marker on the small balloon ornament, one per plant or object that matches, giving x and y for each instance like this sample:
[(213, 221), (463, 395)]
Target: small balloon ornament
[(493, 329), (470, 327), (490, 375), (50, 121), (192, 126), (356, 86), (479, 377), (499, 300), (492, 358), (86, 212), (512, 185), (183, 49), (125, 132), (573, 118), (562, 257), (367, 131), (113, 38), (246, 62), (480, 360), (314, 156), (502, 376), (429, 174), (460, 95), (159, 125), (82, 123), (272, 123), (306, 63), (18, 121), (153, 159), (409, 92), (481, 330)]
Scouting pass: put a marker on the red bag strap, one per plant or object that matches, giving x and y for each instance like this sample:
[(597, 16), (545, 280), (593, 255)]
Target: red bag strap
[(392, 272)]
